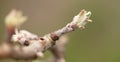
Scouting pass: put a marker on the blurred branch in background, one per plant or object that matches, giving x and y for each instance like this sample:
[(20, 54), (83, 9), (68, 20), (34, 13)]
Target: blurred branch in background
[(23, 45)]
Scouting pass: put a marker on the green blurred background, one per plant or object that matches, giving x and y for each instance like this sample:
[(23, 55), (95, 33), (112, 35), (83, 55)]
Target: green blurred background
[(99, 42)]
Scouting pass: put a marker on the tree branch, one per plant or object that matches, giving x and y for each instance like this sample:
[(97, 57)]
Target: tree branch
[(29, 46)]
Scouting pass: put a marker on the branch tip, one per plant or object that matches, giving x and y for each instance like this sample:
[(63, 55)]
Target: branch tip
[(82, 18)]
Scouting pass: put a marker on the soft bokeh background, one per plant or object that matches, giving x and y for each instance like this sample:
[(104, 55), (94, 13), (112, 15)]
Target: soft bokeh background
[(99, 42)]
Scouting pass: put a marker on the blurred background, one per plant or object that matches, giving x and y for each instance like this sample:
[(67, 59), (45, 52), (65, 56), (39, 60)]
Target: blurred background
[(99, 42)]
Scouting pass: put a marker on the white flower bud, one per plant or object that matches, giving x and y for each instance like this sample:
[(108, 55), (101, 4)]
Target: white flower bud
[(15, 18), (82, 19)]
